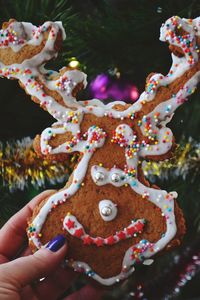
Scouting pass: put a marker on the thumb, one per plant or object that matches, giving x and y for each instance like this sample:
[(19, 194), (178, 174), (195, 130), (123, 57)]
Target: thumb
[(24, 270)]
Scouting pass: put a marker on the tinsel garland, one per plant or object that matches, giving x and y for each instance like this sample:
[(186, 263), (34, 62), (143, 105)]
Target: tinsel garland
[(20, 166), (186, 158)]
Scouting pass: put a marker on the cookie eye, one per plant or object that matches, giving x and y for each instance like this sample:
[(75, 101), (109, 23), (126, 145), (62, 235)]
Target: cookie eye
[(107, 210), (99, 177), (115, 177)]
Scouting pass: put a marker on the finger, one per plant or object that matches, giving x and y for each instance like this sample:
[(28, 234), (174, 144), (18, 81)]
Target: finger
[(56, 284), (14, 231), (26, 252), (3, 259), (24, 270), (87, 292)]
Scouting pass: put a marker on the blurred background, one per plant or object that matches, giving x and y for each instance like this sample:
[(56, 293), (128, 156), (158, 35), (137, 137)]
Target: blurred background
[(116, 42)]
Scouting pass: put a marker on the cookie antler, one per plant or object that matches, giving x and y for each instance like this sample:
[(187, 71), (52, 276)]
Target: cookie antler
[(24, 48), (164, 94)]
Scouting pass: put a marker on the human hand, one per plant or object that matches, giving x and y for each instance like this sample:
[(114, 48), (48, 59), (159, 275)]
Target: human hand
[(18, 276)]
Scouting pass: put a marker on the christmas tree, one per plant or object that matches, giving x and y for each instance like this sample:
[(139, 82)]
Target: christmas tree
[(117, 44)]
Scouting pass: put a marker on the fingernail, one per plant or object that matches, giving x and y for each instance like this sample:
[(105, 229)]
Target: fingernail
[(56, 243)]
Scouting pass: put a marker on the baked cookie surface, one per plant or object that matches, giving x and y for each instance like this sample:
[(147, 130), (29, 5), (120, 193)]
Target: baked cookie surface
[(112, 218)]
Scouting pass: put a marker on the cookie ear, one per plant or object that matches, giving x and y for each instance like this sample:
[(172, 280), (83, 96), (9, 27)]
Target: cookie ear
[(59, 91)]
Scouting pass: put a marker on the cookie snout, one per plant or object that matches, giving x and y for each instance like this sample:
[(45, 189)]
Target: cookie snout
[(107, 210)]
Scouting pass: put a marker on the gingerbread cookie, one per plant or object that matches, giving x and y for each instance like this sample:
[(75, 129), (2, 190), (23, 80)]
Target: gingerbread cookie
[(111, 216)]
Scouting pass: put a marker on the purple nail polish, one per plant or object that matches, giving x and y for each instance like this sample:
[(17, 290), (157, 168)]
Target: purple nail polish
[(56, 243)]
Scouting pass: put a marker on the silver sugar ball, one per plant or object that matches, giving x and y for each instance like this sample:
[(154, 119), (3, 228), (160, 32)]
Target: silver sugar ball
[(99, 176), (106, 211), (115, 177)]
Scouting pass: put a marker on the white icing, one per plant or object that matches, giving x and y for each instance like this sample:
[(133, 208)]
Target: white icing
[(153, 127), (186, 41), (106, 176), (148, 262), (19, 34), (65, 85)]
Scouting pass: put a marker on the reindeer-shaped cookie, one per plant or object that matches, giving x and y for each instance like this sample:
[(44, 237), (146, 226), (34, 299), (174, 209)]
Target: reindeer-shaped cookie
[(111, 216)]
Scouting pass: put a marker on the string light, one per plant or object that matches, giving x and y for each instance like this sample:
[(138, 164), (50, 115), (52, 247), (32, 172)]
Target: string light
[(159, 10), (74, 63)]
